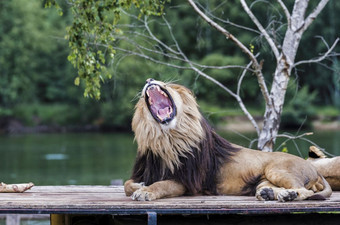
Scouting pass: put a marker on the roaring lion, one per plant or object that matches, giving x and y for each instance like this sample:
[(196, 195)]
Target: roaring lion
[(180, 154)]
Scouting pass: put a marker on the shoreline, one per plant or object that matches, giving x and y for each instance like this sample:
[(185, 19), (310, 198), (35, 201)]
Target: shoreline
[(242, 124), (230, 123)]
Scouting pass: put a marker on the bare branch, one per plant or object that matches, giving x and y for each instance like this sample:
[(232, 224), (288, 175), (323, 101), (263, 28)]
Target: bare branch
[(301, 137), (241, 79), (142, 55), (295, 137), (239, 99), (262, 30), (228, 35), (176, 54), (286, 11), (314, 14), (156, 39), (291, 137), (319, 59), (209, 13), (142, 47)]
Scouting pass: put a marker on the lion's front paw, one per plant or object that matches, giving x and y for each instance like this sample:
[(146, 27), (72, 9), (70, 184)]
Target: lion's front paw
[(286, 195), (265, 194), (143, 195), (130, 187)]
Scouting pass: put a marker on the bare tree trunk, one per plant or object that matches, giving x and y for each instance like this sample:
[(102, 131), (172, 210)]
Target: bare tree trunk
[(295, 29)]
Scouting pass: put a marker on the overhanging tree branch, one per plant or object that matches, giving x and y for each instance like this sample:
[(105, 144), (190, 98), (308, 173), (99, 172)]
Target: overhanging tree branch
[(178, 54)]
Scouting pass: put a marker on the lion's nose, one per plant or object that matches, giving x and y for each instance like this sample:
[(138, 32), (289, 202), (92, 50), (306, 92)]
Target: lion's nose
[(148, 81)]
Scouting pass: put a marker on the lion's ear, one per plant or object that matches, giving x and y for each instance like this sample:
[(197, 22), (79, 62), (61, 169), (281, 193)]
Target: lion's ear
[(182, 89), (190, 92)]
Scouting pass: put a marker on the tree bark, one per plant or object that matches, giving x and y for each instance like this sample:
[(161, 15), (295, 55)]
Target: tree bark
[(281, 77)]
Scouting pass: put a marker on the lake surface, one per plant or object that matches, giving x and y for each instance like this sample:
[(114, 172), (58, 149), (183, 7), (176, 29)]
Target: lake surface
[(97, 158)]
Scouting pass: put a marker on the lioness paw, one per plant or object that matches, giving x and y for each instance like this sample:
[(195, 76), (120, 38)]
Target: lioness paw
[(143, 195), (286, 195), (265, 194)]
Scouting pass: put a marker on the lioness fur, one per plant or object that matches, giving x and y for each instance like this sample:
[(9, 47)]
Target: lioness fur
[(329, 168), (180, 154)]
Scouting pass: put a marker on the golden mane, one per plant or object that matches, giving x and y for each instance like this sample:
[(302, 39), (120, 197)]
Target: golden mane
[(174, 142)]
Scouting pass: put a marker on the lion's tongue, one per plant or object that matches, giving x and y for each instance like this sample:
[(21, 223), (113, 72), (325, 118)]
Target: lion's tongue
[(160, 104), (163, 113)]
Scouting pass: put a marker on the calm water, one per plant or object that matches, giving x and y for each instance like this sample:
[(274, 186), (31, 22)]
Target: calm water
[(95, 158)]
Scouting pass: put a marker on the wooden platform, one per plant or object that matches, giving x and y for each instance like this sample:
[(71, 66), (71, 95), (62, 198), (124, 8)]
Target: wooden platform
[(112, 200)]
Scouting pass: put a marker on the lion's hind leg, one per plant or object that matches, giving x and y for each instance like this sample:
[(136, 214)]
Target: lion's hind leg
[(286, 185), (266, 191)]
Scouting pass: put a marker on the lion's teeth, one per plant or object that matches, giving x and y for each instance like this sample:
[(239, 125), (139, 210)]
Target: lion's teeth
[(164, 94)]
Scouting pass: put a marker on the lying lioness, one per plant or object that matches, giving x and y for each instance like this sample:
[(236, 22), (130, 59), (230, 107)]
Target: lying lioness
[(329, 168), (179, 153)]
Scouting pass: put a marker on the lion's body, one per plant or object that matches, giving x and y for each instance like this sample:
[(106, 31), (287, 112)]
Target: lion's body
[(184, 155), (251, 169)]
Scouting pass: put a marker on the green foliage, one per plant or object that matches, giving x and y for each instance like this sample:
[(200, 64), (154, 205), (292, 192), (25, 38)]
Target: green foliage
[(36, 81), (91, 34), (53, 114), (31, 54), (284, 149)]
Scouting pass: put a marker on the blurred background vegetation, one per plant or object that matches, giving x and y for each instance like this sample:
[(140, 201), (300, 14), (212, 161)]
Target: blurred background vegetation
[(37, 82)]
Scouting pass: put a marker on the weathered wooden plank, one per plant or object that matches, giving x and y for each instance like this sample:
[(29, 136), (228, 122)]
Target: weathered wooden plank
[(28, 216), (77, 188), (94, 199)]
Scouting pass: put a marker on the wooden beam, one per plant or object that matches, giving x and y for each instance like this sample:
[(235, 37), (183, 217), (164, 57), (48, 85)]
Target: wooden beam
[(58, 219)]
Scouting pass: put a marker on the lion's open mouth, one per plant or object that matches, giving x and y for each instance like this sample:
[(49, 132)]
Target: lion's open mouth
[(160, 103)]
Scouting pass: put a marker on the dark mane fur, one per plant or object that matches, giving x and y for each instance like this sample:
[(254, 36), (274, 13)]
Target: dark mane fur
[(197, 171)]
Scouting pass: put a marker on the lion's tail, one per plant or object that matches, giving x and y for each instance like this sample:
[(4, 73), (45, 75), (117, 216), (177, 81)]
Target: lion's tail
[(325, 193)]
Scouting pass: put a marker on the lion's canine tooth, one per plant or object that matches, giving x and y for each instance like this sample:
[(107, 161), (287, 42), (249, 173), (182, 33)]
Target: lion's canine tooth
[(158, 88), (164, 94), (159, 117)]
